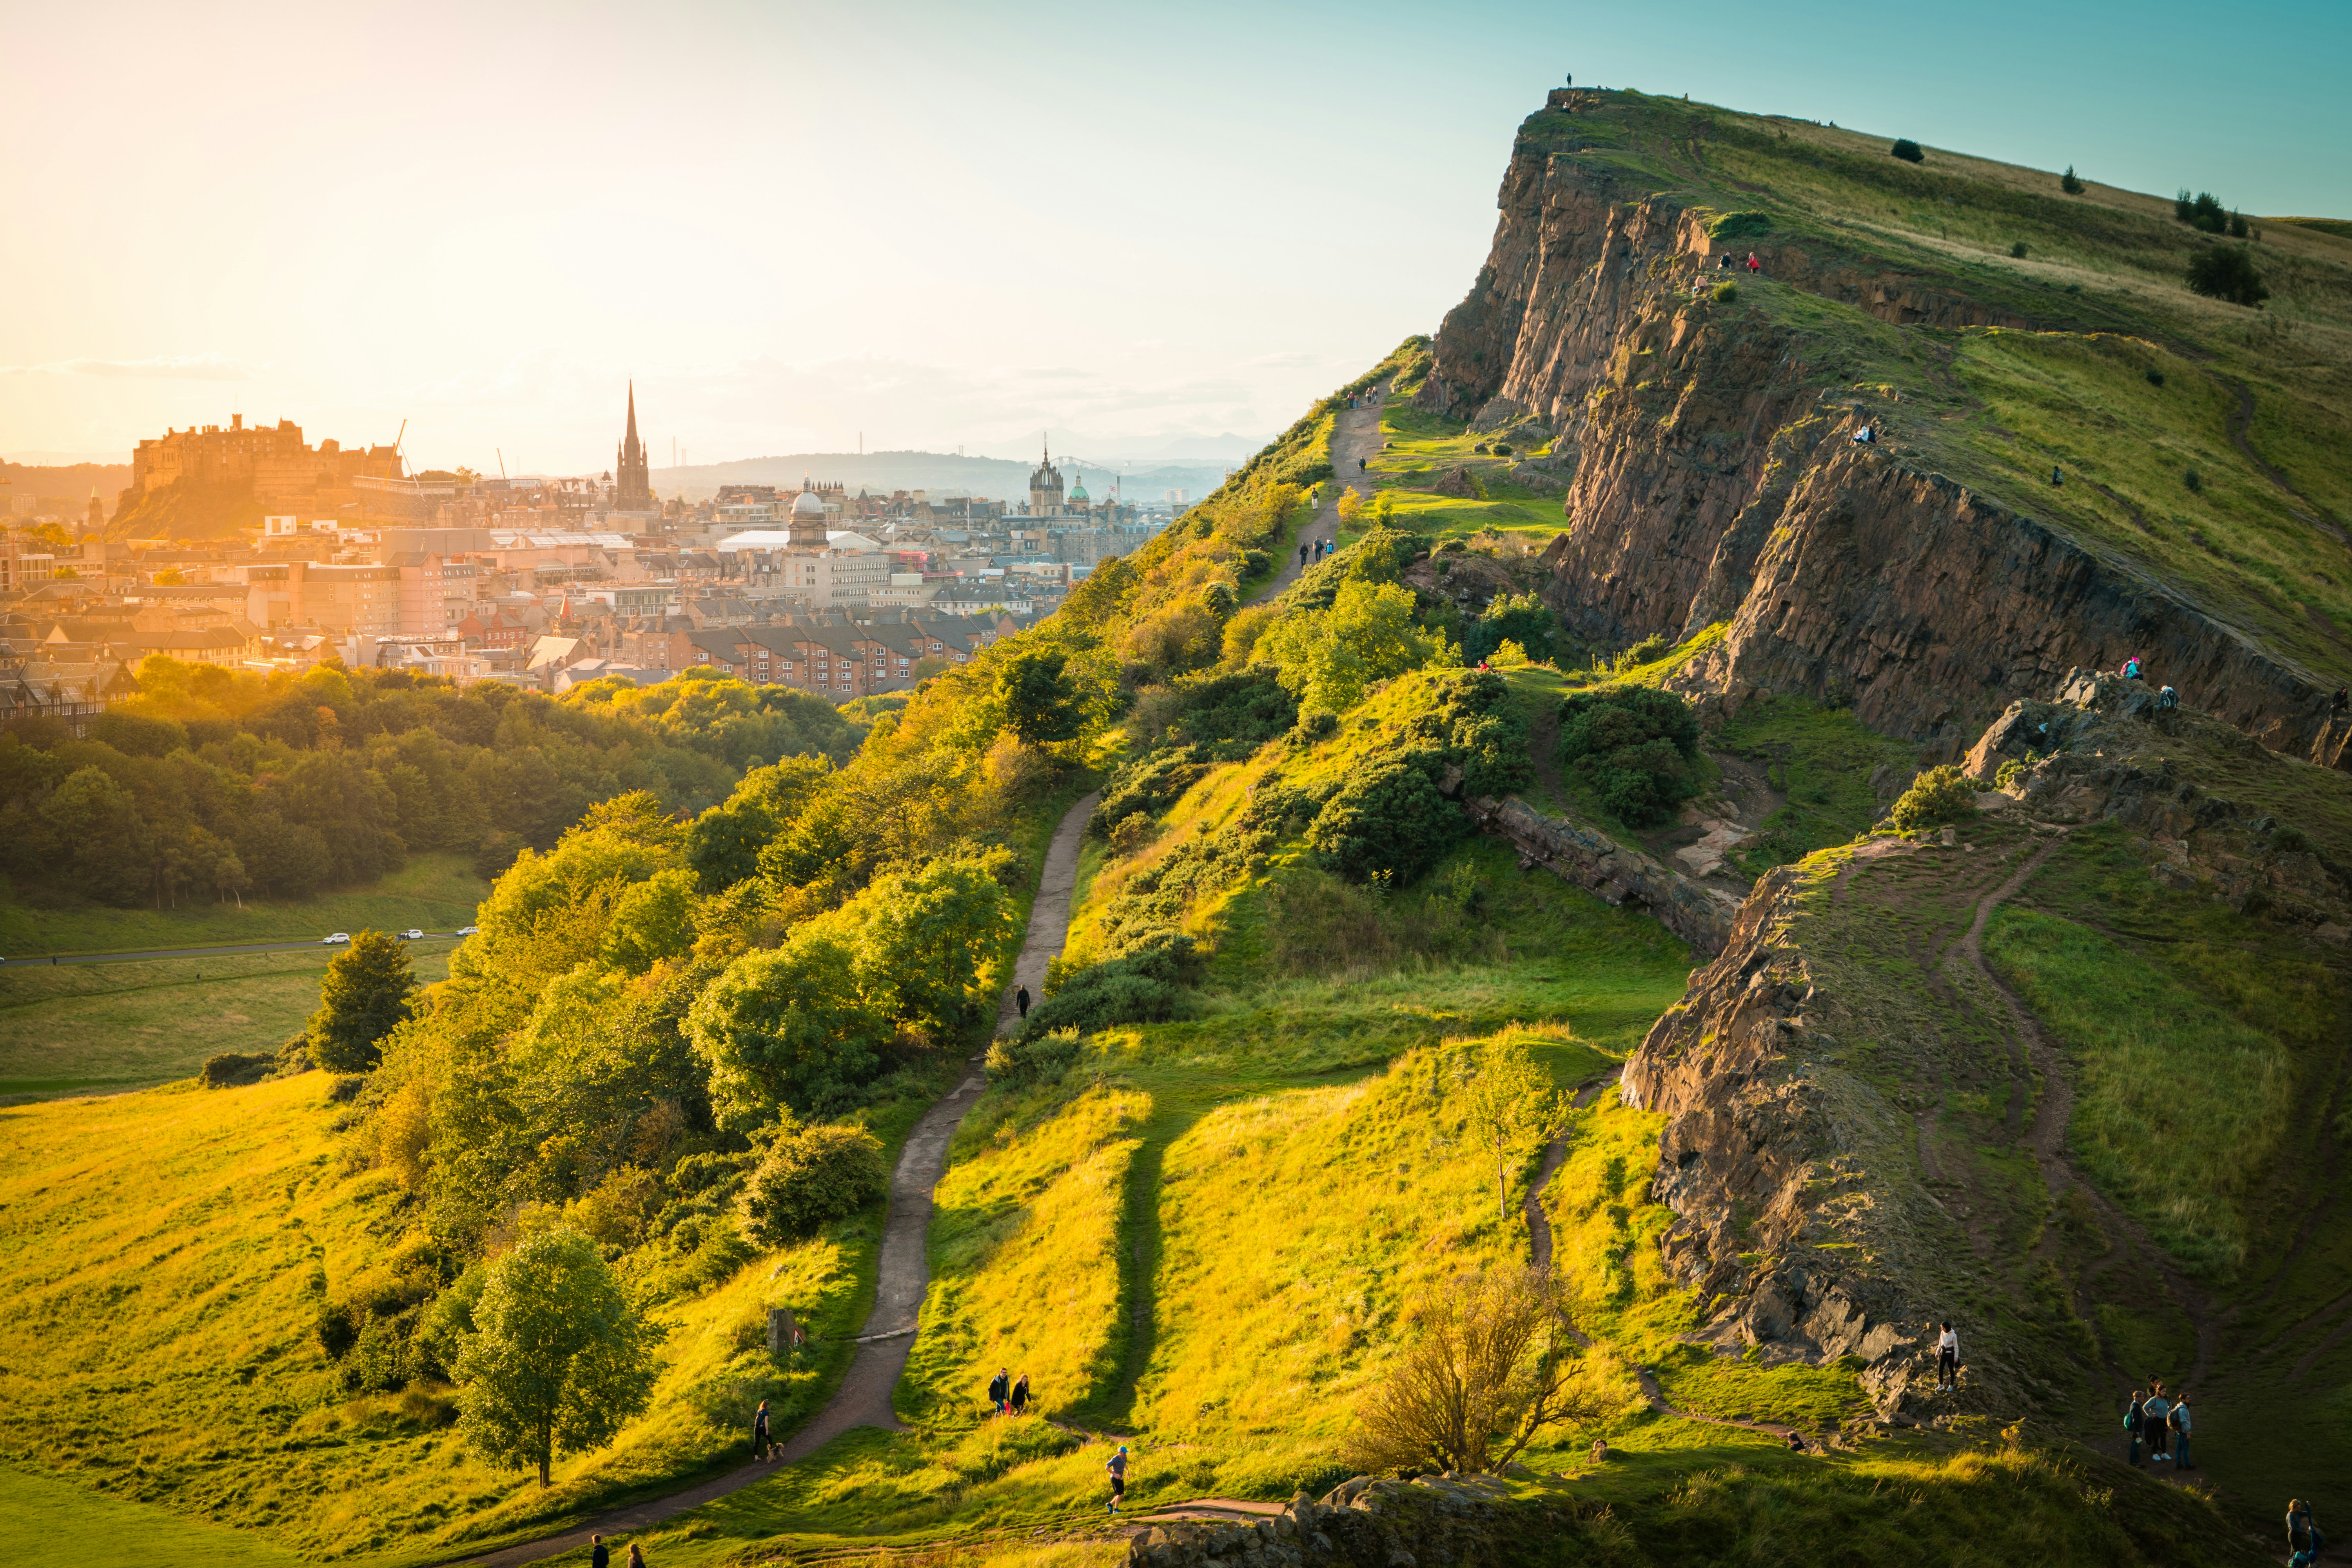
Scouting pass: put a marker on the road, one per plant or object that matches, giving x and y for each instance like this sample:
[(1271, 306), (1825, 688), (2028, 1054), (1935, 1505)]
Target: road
[(229, 952)]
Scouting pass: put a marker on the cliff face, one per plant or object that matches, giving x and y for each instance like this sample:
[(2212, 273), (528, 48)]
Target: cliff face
[(1714, 480)]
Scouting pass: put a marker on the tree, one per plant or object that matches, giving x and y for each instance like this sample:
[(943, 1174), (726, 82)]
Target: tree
[(558, 1359), (652, 921), (1496, 1361), (1328, 658), (811, 1176), (1635, 745), (927, 935), (364, 996), (724, 843), (787, 1025), (1511, 1108), (2069, 184), (2227, 272), (1940, 794), (1908, 150), (1041, 705)]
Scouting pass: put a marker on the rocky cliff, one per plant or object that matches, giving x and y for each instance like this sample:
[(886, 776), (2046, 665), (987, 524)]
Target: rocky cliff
[(1715, 479)]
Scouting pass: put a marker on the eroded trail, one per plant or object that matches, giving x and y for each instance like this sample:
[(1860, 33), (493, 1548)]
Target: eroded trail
[(1355, 440), (903, 1275)]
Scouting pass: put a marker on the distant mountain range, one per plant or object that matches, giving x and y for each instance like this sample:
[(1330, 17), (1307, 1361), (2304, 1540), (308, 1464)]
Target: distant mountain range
[(998, 478)]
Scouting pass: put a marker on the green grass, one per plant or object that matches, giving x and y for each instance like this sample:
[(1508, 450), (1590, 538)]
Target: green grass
[(432, 892), (78, 1027), (1821, 760), (55, 1524)]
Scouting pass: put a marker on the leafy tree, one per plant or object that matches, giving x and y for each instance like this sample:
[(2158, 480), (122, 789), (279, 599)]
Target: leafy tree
[(789, 1026), (1908, 150), (2227, 272), (1521, 618), (724, 844), (927, 936), (651, 921), (1495, 1361), (366, 995), (558, 1360), (96, 823), (1041, 705), (1940, 794), (1511, 1108), (1328, 658), (809, 1177), (2069, 184)]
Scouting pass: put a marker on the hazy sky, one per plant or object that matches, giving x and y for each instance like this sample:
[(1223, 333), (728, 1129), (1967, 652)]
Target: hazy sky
[(934, 224)]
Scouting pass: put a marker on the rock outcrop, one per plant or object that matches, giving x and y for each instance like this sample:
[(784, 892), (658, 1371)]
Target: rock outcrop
[(1701, 916), (1435, 1522), (1715, 482)]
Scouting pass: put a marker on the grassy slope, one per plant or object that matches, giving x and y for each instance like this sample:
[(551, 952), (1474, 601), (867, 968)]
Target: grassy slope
[(432, 892), (157, 1250), (75, 1028)]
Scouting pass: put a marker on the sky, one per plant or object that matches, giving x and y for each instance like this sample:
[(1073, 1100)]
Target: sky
[(797, 226)]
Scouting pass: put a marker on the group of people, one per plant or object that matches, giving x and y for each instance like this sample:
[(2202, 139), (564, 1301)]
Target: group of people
[(1007, 1396), (601, 1556), (2165, 698), (2161, 1424), (1313, 551)]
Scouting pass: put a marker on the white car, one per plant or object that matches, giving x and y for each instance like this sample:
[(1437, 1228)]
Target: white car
[(340, 939), (412, 936), (467, 931)]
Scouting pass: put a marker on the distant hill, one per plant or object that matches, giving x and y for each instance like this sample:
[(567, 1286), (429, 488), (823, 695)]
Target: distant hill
[(68, 483), (998, 478)]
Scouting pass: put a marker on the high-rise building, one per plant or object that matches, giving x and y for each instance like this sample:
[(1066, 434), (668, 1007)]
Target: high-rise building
[(633, 488)]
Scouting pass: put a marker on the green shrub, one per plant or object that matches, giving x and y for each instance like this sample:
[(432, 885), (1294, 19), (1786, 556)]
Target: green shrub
[(2069, 184), (1939, 795), (1739, 225), (2193, 479), (2227, 272), (1389, 824), (1144, 985), (2155, 376), (2289, 841), (1148, 786), (336, 1331), (233, 1067), (809, 1178), (1024, 1061), (2203, 212), (2012, 770), (2018, 249), (378, 1360), (1725, 292), (1635, 745), (1521, 618), (1908, 150)]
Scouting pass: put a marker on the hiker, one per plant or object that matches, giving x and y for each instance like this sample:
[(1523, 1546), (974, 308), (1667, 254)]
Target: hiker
[(2167, 699), (2132, 1418), (1000, 1390), (1117, 1468), (760, 1432), (1020, 1000), (2156, 1418), (1362, 464), (1021, 1396), (1863, 436), (1754, 265), (1796, 1441), (2131, 667), (1948, 1360), (2053, 474), (637, 1555), (1302, 554), (2180, 1433), (597, 1556), (2301, 1535)]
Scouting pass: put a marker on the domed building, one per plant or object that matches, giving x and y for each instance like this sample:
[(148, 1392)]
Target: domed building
[(807, 531), (1079, 500), (1045, 488)]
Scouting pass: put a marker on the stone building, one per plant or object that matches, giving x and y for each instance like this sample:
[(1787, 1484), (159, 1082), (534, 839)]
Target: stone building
[(287, 473)]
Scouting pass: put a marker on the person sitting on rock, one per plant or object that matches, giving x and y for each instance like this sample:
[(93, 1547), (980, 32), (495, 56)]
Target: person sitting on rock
[(2168, 698), (1866, 436)]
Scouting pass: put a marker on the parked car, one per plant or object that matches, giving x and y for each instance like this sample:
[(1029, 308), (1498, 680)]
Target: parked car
[(467, 931), (412, 936), (340, 939)]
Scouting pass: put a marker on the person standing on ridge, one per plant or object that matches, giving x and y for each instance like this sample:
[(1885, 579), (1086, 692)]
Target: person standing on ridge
[(760, 1432), (1117, 1468), (2156, 1420), (2132, 1418), (2180, 1433), (597, 1556), (1754, 265), (1020, 1000), (1948, 1360)]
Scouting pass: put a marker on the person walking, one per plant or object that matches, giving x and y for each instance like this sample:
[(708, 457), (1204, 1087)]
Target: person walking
[(1754, 265), (1117, 1468), (1302, 555), (1000, 1390), (2180, 1460), (1021, 1396), (597, 1556), (759, 1444), (2132, 1419), (1948, 1360), (2156, 1416), (637, 1555), (1020, 1000)]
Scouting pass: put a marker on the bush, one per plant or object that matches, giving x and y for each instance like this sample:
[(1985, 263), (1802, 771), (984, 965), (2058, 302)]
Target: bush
[(1143, 985), (2018, 249), (2155, 376), (346, 1089), (337, 1332), (1635, 746), (1908, 150), (809, 1178), (1939, 795), (1389, 824), (233, 1068), (2290, 840), (2203, 212), (2227, 272), (1019, 1063), (1725, 292), (1148, 786), (1739, 225), (2069, 184), (2193, 479)]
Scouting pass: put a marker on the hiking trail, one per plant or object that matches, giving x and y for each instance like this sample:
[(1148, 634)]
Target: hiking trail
[(903, 1275), (1355, 438)]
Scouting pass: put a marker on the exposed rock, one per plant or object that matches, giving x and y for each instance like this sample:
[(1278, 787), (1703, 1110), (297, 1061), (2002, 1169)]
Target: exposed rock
[(1439, 1521), (1454, 481), (1714, 484), (1701, 916), (1543, 481)]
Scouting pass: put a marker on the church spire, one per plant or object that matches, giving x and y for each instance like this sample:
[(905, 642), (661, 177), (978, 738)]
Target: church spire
[(635, 493)]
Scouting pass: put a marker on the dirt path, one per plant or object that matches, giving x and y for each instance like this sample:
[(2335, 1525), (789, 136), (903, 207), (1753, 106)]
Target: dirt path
[(1355, 439), (903, 1275)]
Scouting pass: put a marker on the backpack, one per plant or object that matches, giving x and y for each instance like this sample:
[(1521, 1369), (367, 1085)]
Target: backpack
[(2132, 1419), (2174, 1421)]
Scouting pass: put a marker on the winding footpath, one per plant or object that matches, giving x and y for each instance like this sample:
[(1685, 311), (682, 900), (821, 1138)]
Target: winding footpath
[(1355, 441), (904, 1274)]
